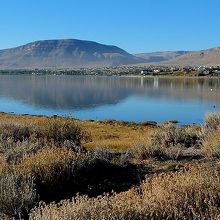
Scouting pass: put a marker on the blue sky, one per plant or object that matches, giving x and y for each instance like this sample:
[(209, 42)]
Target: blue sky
[(134, 25)]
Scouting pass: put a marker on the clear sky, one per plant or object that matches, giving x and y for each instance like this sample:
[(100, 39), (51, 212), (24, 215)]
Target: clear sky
[(134, 25)]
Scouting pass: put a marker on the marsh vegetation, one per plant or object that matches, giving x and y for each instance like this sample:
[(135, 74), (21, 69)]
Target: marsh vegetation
[(61, 168)]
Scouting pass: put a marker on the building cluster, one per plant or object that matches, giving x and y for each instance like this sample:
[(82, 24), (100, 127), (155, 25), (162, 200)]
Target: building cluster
[(125, 71)]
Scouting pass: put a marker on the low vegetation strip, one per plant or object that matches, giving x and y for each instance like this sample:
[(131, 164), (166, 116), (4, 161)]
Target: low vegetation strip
[(62, 168), (187, 194)]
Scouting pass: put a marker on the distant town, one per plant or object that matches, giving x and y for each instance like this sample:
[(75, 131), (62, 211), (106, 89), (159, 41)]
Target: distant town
[(124, 71)]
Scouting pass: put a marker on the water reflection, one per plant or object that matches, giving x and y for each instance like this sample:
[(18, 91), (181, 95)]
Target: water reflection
[(75, 94)]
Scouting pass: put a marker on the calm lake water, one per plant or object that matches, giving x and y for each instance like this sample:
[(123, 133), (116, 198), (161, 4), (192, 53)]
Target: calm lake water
[(122, 98)]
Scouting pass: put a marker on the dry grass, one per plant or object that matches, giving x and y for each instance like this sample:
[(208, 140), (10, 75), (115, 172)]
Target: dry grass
[(56, 158), (147, 150), (14, 152), (192, 194), (112, 135)]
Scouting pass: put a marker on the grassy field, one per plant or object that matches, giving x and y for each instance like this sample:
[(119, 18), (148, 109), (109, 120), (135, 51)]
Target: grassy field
[(113, 135), (61, 168)]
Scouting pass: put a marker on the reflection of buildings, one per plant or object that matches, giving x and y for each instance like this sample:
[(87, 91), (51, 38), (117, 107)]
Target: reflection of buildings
[(156, 83), (70, 92), (142, 82)]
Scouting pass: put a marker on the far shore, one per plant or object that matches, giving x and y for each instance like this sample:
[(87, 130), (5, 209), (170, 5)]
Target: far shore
[(123, 71)]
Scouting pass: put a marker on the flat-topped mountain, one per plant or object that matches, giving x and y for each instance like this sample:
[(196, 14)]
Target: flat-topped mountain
[(69, 53)]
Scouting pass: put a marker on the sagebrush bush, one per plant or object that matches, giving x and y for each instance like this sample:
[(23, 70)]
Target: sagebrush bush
[(60, 130), (211, 123), (145, 151), (22, 139), (169, 135), (211, 145), (168, 142), (17, 194), (61, 173), (56, 129), (54, 169), (188, 194), (14, 152), (17, 132)]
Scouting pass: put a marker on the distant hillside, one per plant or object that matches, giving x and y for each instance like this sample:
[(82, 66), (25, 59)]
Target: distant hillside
[(65, 54), (160, 56), (72, 53), (210, 57)]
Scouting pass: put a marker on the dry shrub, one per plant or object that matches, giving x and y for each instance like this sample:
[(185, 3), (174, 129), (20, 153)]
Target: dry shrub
[(17, 132), (169, 135), (54, 162), (21, 139), (17, 194), (145, 151), (211, 145), (3, 164), (55, 171), (60, 130), (168, 142), (54, 129), (18, 140), (14, 152), (211, 123), (192, 194), (60, 173)]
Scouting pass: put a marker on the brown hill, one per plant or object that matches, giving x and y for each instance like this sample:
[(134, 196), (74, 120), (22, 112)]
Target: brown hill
[(210, 57), (160, 56), (64, 54)]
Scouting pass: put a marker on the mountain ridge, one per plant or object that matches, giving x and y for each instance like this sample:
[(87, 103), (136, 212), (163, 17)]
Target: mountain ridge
[(75, 53), (65, 53)]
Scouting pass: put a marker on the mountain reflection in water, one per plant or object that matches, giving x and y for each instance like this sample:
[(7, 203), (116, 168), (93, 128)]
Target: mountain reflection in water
[(89, 97)]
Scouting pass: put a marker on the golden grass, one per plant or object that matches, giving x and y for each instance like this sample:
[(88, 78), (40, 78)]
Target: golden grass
[(110, 135), (114, 136)]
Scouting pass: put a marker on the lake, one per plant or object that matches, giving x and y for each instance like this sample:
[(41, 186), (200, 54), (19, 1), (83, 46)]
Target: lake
[(121, 98)]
